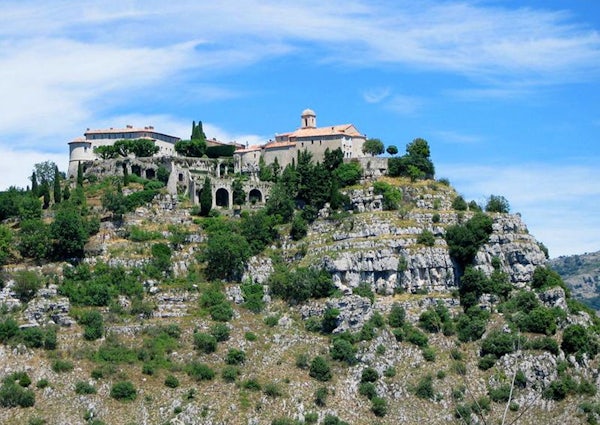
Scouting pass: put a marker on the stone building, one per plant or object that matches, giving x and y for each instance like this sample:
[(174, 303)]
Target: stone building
[(82, 149), (308, 137)]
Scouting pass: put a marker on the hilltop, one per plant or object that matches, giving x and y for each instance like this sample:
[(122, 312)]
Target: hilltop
[(582, 274), (390, 300)]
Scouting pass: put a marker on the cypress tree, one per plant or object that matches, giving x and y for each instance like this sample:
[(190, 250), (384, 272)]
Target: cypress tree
[(57, 192), (34, 184), (205, 198), (125, 175), (45, 189), (79, 175), (66, 193)]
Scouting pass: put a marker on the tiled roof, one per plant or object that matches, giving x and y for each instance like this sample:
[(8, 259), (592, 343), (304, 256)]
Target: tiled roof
[(251, 148), (334, 130), (274, 145)]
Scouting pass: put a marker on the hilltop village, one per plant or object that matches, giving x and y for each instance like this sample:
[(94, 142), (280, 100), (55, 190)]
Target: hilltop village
[(187, 172)]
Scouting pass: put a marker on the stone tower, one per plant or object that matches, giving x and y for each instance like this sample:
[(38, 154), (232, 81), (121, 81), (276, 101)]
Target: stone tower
[(309, 119)]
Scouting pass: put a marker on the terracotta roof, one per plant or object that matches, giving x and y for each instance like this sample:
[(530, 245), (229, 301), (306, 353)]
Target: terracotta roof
[(334, 130), (249, 149), (78, 140), (275, 145), (128, 129)]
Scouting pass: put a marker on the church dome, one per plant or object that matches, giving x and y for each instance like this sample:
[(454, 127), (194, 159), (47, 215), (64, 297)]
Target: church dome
[(309, 112)]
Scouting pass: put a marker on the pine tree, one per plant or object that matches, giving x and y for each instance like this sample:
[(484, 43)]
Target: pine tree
[(206, 198), (57, 192)]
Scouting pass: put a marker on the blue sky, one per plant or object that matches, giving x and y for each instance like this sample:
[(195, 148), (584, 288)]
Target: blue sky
[(505, 92)]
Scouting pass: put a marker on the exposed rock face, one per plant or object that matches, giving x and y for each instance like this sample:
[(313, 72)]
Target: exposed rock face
[(48, 308), (518, 251)]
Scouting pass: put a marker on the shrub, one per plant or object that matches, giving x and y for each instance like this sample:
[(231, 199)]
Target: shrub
[(313, 324), (486, 362), (397, 316), (415, 336), (435, 218), (253, 297), (60, 365), (302, 361), (230, 373), (330, 320), (93, 325), (220, 331), (498, 344), (470, 328), (500, 394), (26, 285), (343, 350), (364, 290), (369, 375), (390, 372), (426, 238), (424, 388), (13, 395), (576, 339), (42, 383), (320, 369), (272, 390), (200, 371), (82, 387), (560, 388), (459, 203), (428, 354), (271, 321), (367, 389), (321, 396), (311, 418), (333, 420), (171, 381), (250, 336), (379, 406), (205, 342), (123, 391), (545, 343), (235, 356), (221, 312), (251, 384)]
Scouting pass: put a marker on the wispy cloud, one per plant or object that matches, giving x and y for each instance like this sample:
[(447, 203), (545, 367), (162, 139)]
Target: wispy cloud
[(376, 95), (555, 200), (453, 137)]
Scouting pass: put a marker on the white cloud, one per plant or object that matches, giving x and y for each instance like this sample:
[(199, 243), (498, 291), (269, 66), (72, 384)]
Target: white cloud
[(404, 105), (16, 166), (557, 201), (376, 95)]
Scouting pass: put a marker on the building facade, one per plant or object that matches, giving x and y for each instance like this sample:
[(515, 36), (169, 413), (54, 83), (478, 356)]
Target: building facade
[(82, 149), (315, 140)]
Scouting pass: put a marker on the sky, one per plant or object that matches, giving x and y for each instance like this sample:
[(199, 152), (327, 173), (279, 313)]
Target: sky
[(505, 92)]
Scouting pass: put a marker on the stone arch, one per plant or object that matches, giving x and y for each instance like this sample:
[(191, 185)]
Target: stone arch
[(180, 177), (150, 173), (137, 170), (222, 197), (255, 196)]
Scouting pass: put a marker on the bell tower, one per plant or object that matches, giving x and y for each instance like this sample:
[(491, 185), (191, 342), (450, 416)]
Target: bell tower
[(309, 119)]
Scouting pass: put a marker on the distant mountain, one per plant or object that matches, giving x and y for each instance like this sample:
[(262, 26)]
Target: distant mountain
[(582, 274)]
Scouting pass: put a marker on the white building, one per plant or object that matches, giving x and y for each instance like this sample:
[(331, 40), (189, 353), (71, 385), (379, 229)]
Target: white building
[(82, 149)]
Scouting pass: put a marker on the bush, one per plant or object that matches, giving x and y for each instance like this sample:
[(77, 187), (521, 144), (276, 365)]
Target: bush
[(251, 384), (200, 371), (560, 388), (369, 375), (230, 373), (364, 290), (343, 350), (82, 387), (235, 356), (60, 365), (486, 362), (397, 316), (271, 321), (320, 369), (272, 390), (311, 418), (426, 238), (498, 344), (379, 406), (390, 372), (123, 391), (367, 389), (415, 336), (171, 381), (577, 339), (424, 388), (302, 361), (221, 312), (330, 320), (428, 354), (321, 396), (93, 325), (13, 395), (205, 342), (220, 331)]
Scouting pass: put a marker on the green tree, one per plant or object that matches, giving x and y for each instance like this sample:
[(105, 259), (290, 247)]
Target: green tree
[(280, 204), (191, 148), (106, 152), (57, 191), (206, 198), (226, 255), (69, 234), (6, 239), (497, 204), (26, 285), (44, 171), (392, 150), (465, 240), (348, 173), (320, 369), (79, 175), (143, 148), (373, 147), (45, 191), (33, 239), (34, 184), (239, 196)]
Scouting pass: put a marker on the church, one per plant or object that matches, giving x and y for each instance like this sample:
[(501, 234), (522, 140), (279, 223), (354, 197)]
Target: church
[(308, 137)]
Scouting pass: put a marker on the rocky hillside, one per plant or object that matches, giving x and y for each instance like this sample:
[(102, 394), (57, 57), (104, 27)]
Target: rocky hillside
[(582, 274), (368, 319)]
